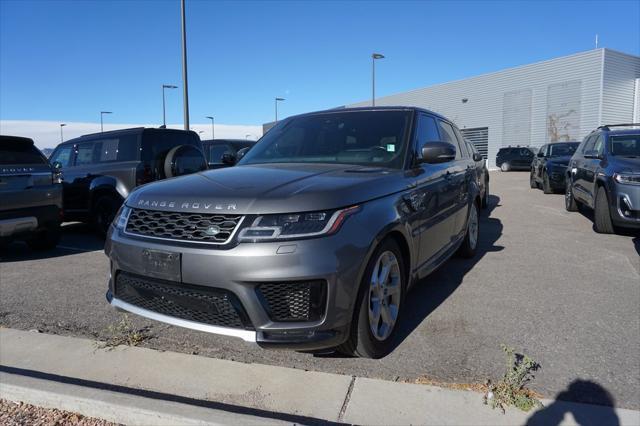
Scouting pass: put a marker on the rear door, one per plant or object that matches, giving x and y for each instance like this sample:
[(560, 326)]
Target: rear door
[(78, 177), (462, 174), (591, 166)]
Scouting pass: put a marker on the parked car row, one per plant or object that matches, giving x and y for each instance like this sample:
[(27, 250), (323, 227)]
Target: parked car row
[(601, 173), (88, 178)]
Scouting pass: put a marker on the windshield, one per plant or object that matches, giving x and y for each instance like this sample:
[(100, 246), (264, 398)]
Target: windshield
[(625, 146), (562, 149), (375, 138)]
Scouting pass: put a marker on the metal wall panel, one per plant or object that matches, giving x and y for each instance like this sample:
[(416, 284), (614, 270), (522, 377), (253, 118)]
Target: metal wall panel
[(485, 96), (479, 137), (618, 87)]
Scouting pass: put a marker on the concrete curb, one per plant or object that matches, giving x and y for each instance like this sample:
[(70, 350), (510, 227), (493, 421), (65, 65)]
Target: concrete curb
[(156, 387)]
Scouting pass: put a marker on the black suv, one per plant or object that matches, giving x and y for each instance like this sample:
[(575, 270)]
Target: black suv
[(312, 241), (514, 158), (101, 169), (225, 152), (549, 166), (604, 174), (30, 195)]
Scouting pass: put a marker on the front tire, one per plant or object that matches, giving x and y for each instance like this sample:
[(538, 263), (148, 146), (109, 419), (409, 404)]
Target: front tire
[(602, 215), (380, 298), (570, 203), (532, 181), (104, 210)]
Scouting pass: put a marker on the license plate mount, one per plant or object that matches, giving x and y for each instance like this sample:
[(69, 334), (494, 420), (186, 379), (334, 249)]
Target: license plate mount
[(162, 264)]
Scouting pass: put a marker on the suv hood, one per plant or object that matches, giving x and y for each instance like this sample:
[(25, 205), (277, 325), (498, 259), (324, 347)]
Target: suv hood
[(270, 188)]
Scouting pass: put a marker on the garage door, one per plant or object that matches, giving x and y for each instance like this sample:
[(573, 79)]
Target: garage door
[(479, 137)]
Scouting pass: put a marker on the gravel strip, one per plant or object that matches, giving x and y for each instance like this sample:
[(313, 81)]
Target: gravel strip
[(19, 413)]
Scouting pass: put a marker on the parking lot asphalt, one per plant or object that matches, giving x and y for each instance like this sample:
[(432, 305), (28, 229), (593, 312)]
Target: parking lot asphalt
[(543, 282)]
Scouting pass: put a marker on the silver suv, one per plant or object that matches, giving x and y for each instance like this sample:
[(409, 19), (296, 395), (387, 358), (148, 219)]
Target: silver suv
[(312, 241)]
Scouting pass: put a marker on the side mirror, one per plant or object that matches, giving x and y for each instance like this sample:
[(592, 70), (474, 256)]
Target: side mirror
[(228, 159), (241, 153), (477, 156), (438, 152), (56, 165), (541, 154), (592, 153), (57, 172)]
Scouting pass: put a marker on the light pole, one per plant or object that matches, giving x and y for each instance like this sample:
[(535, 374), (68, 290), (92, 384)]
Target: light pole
[(61, 126), (212, 133), (374, 56), (278, 100), (247, 136), (164, 116), (101, 121), (185, 87)]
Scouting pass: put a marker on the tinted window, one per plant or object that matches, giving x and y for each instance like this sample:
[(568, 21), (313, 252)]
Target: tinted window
[(462, 142), (426, 131), (362, 137), (215, 153), (87, 153), (448, 135), (20, 153), (562, 149), (628, 145), (588, 145), (62, 155)]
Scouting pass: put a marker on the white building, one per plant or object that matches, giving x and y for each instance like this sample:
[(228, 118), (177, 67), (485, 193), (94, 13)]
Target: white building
[(555, 100)]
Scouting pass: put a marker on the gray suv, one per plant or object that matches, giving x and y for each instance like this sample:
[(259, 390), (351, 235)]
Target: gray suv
[(30, 195), (312, 241)]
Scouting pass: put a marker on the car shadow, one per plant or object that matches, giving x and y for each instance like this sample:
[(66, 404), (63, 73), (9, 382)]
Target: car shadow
[(429, 293), (584, 391), (76, 238), (636, 244)]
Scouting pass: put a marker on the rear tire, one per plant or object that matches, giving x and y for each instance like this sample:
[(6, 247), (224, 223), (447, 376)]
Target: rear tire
[(485, 198), (570, 203), (505, 167), (370, 312), (602, 215), (104, 210), (46, 239), (546, 186), (469, 245)]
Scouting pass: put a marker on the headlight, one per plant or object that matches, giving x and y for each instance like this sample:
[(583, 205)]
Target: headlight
[(120, 220), (627, 178), (295, 225)]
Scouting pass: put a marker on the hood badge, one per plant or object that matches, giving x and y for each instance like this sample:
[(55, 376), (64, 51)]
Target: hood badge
[(212, 230), (185, 205)]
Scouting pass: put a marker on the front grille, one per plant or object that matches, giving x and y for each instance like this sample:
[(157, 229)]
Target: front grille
[(297, 301), (194, 303), (195, 227)]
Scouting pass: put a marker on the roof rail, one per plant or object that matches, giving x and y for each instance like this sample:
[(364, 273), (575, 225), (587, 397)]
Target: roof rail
[(607, 126)]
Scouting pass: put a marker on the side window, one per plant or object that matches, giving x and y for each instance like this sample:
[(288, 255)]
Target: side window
[(62, 155), (128, 147), (543, 150), (426, 131), (108, 150), (598, 145), (86, 153), (462, 142), (448, 135)]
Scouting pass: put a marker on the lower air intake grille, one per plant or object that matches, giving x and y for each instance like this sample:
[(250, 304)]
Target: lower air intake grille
[(299, 301), (193, 303)]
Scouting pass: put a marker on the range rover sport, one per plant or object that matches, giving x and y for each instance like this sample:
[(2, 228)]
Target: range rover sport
[(312, 241)]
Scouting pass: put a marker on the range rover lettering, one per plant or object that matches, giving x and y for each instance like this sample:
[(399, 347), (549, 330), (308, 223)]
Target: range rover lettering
[(324, 226)]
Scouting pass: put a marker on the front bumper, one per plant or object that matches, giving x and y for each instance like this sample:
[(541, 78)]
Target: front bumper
[(625, 205), (337, 261)]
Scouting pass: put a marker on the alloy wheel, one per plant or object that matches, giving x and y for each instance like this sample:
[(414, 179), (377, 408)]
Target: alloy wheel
[(385, 291)]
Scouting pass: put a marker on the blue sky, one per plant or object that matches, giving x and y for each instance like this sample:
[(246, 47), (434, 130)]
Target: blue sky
[(67, 60)]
